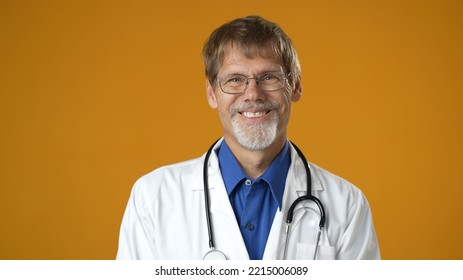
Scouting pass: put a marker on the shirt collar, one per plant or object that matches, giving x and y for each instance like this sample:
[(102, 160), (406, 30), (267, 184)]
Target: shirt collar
[(275, 175)]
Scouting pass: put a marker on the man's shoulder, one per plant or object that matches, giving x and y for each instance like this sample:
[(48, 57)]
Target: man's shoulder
[(176, 169), (173, 176), (332, 182)]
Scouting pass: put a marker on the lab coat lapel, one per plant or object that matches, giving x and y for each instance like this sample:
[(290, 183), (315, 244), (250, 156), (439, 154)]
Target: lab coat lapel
[(275, 242), (227, 235), (296, 185)]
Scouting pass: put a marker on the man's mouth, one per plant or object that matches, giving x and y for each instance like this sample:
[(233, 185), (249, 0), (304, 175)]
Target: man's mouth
[(257, 114), (254, 110)]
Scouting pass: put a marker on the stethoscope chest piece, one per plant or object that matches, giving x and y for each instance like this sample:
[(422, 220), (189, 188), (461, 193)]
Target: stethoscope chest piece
[(214, 255)]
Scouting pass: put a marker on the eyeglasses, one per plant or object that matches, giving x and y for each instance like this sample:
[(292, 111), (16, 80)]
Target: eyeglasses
[(268, 81)]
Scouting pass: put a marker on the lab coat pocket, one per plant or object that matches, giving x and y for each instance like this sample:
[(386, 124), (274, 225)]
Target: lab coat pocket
[(306, 252)]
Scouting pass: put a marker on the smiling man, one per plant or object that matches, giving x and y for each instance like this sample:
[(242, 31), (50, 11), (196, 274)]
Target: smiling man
[(253, 195)]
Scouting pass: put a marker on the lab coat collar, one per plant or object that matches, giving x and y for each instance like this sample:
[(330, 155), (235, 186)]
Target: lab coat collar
[(213, 168), (296, 169)]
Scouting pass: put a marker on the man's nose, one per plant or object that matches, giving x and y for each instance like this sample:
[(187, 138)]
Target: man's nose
[(253, 90)]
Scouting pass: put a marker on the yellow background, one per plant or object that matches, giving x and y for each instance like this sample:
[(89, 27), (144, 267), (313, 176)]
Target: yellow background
[(94, 94)]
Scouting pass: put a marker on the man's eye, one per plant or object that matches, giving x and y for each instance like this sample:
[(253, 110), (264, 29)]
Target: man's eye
[(234, 80), (269, 78)]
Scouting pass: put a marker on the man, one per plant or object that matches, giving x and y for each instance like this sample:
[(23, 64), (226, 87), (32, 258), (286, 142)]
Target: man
[(238, 207)]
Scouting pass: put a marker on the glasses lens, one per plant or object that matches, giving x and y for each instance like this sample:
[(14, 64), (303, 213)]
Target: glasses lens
[(233, 83), (237, 83), (272, 81)]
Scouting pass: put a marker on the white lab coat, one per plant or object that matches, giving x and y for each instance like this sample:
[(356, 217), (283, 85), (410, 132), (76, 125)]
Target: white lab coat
[(165, 217)]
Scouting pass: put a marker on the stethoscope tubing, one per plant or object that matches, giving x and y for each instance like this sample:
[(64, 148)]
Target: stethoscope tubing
[(291, 209), (206, 196), (308, 195)]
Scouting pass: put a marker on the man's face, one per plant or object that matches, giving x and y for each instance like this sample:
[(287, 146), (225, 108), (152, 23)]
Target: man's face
[(255, 119)]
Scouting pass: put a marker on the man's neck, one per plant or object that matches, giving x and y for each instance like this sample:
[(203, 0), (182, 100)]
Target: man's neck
[(255, 162)]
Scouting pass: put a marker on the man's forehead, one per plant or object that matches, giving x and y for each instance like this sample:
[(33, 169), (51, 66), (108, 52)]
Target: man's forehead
[(252, 51)]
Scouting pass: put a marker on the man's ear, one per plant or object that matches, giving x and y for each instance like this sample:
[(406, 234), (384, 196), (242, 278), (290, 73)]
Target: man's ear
[(211, 97), (297, 90)]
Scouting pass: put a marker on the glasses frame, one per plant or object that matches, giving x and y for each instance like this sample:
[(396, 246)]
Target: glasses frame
[(257, 78)]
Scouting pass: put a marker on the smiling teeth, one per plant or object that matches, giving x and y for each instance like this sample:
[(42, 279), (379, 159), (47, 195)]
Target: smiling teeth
[(253, 114)]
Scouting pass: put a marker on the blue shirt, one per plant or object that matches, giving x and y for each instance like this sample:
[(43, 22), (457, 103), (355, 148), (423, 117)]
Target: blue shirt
[(254, 202)]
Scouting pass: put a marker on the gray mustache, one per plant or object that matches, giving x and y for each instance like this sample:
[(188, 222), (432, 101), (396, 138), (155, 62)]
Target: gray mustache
[(234, 109)]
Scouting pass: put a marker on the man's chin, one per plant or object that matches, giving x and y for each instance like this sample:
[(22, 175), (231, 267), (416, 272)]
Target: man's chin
[(256, 143)]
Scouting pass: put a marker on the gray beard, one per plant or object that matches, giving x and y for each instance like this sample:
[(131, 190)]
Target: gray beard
[(257, 136)]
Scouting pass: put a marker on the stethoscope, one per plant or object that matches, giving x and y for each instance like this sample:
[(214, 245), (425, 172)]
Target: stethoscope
[(214, 254)]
